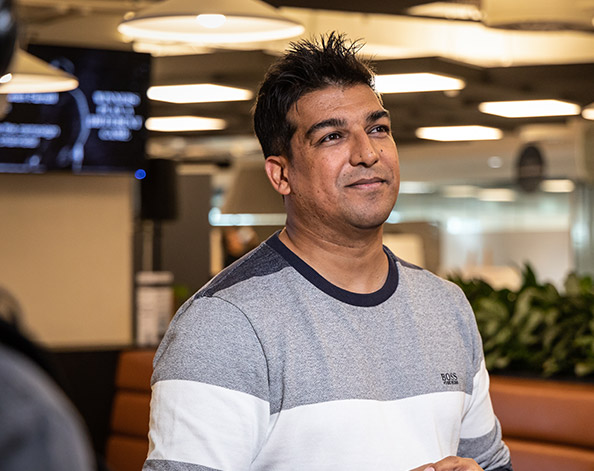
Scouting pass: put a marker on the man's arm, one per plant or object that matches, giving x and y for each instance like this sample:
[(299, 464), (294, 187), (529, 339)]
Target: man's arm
[(480, 432), (484, 445), (209, 406)]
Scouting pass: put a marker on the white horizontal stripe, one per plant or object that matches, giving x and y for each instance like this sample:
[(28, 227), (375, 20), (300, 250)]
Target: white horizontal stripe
[(352, 435), (222, 429), (208, 425), (480, 418)]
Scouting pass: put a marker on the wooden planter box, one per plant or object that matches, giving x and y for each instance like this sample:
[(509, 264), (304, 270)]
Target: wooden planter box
[(548, 425)]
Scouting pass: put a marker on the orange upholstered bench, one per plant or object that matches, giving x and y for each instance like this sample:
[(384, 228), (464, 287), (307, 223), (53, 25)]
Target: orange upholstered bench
[(548, 425), (127, 444)]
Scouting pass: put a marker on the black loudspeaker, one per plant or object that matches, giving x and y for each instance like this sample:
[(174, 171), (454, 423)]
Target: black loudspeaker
[(158, 190), (530, 168)]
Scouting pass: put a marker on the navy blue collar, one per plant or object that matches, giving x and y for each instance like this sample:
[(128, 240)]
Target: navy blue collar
[(355, 299)]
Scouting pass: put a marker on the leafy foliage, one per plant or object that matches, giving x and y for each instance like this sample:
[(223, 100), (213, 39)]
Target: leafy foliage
[(535, 328)]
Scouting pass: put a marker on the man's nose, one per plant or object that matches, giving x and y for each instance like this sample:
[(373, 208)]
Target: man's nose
[(364, 151)]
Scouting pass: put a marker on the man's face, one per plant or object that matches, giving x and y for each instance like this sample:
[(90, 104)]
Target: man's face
[(344, 171)]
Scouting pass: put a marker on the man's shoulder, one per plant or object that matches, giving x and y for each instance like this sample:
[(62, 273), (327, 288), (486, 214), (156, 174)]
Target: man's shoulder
[(421, 280), (261, 262)]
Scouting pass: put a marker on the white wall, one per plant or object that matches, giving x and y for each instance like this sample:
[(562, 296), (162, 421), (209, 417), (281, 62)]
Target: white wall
[(488, 255), (66, 255)]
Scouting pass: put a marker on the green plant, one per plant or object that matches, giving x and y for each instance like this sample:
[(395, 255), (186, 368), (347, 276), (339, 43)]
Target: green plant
[(536, 328)]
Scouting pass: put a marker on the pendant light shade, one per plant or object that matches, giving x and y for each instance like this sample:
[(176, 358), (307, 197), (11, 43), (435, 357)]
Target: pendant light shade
[(209, 22), (29, 74)]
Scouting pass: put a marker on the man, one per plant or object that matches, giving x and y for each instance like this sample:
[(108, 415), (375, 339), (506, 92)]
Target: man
[(320, 349)]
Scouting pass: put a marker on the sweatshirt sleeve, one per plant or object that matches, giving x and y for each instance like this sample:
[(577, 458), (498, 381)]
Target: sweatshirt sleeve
[(480, 433), (210, 396)]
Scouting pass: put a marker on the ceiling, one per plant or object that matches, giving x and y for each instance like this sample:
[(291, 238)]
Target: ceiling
[(548, 61)]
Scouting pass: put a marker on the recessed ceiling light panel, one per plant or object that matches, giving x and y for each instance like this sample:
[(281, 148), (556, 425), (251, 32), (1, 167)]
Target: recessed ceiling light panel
[(529, 108), (184, 123), (198, 93), (448, 10), (459, 133), (588, 112), (497, 195), (557, 186), (417, 82)]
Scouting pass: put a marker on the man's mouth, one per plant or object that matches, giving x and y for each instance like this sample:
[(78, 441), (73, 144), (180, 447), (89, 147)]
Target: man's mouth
[(366, 181)]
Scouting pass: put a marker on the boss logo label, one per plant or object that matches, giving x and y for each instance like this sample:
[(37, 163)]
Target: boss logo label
[(449, 378)]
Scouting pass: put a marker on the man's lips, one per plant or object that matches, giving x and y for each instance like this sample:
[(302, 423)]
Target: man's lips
[(366, 181)]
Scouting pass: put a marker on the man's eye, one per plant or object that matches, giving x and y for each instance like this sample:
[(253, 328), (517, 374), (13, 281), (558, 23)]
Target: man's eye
[(331, 137), (380, 128)]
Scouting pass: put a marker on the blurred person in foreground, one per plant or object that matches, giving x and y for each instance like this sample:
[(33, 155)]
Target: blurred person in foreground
[(321, 349), (39, 428)]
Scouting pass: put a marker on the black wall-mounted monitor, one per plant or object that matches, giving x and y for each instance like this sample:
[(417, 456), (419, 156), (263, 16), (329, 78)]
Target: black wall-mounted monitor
[(96, 128)]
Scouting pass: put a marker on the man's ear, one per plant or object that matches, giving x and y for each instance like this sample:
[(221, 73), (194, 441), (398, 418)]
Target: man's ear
[(277, 170)]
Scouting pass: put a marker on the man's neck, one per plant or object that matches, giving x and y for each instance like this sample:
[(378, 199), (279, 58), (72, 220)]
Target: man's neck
[(358, 264)]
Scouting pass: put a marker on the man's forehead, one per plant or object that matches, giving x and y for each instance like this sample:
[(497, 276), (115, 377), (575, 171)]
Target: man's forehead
[(331, 103)]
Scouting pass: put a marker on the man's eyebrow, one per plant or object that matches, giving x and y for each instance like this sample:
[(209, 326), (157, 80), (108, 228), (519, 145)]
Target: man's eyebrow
[(330, 122), (377, 115), (339, 122)]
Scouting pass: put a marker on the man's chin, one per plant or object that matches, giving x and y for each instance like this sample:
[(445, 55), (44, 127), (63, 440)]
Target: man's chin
[(371, 223)]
